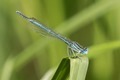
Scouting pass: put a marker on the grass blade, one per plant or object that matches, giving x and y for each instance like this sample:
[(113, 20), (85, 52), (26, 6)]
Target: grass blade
[(109, 46), (63, 70), (78, 68)]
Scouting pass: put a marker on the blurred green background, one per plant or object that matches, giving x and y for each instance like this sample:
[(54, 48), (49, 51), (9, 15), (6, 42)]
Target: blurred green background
[(26, 55)]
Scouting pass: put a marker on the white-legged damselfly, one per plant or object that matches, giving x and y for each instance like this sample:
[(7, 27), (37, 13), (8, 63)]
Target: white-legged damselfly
[(75, 49)]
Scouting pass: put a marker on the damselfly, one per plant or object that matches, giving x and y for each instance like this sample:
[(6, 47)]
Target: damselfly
[(75, 49)]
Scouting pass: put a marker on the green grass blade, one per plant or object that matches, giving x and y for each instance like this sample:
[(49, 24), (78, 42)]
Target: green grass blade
[(7, 70), (63, 70), (78, 68), (94, 11), (109, 46)]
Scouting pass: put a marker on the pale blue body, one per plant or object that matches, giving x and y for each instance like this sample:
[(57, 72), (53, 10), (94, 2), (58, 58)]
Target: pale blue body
[(74, 46)]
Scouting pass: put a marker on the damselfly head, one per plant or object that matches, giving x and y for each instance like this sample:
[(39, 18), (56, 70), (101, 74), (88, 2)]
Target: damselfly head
[(84, 51), (77, 48)]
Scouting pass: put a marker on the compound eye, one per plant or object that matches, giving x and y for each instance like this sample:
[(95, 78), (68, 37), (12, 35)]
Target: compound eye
[(84, 51)]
